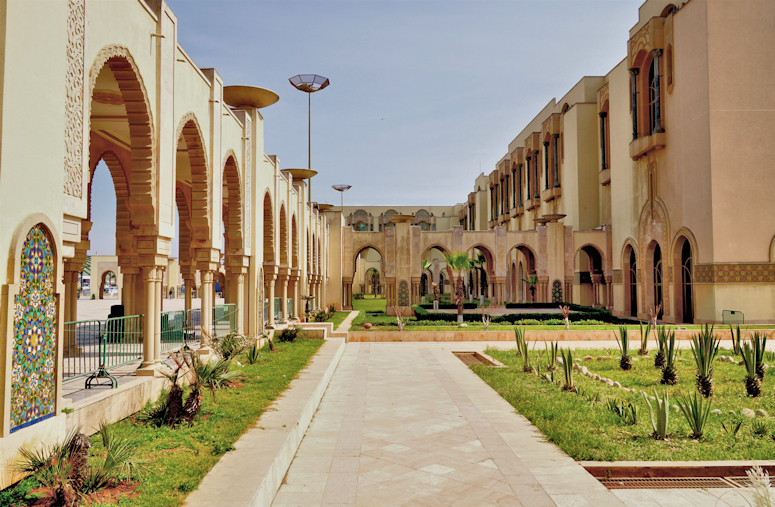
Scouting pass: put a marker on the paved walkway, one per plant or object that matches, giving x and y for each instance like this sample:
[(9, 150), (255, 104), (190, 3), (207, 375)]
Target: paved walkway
[(347, 323), (408, 423)]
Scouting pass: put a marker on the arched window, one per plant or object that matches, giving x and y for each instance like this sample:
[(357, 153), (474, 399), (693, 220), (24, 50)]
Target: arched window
[(687, 289), (632, 281), (658, 280)]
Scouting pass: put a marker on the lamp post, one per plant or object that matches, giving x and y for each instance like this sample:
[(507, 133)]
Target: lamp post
[(341, 188), (309, 84)]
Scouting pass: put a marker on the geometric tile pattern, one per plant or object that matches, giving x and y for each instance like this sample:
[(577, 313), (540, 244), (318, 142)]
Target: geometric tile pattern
[(33, 369), (556, 292), (403, 293), (734, 273), (618, 276)]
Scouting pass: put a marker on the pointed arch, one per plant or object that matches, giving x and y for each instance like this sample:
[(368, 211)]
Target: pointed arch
[(283, 236), (196, 175), (268, 230), (232, 206), (134, 98)]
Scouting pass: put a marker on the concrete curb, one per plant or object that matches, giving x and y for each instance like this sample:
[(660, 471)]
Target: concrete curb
[(253, 472)]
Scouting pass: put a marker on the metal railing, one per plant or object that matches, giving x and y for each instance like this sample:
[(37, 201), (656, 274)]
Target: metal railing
[(224, 319), (732, 317), (92, 346), (266, 311), (193, 325), (278, 302), (173, 329), (289, 308)]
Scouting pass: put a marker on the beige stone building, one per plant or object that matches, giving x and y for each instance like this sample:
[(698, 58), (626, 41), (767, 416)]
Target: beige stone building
[(117, 87), (644, 188)]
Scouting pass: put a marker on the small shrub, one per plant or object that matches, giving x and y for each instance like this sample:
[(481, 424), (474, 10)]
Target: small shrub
[(669, 372), (253, 353), (695, 410), (289, 334), (552, 348), (230, 345), (753, 384), (736, 339), (731, 428), (705, 350), (644, 339), (759, 428), (625, 411), (567, 368), (623, 340), (660, 414)]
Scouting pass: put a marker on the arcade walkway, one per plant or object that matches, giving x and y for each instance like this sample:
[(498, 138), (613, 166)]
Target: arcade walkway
[(407, 423)]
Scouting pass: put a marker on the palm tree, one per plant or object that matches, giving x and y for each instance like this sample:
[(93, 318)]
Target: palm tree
[(458, 263), (478, 263), (531, 282)]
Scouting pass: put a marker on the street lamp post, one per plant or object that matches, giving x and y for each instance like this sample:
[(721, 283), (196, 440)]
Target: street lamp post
[(309, 84), (341, 188)]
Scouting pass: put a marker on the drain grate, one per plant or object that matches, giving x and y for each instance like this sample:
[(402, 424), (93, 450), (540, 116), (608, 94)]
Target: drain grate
[(667, 483), (745, 482)]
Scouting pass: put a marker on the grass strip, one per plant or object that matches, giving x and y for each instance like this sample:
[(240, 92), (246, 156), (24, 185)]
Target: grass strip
[(179, 458), (589, 430)]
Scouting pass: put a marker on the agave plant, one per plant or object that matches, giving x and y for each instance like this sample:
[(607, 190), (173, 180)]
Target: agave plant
[(759, 342), (736, 339), (695, 410), (519, 338), (623, 340), (753, 384), (669, 373), (704, 350), (567, 368), (660, 412), (627, 412), (253, 353), (552, 349), (662, 338), (645, 332), (526, 367)]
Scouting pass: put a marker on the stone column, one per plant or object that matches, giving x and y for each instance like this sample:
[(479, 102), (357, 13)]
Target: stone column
[(294, 281), (634, 102), (609, 283), (157, 314), (206, 316), (240, 278), (282, 280), (149, 327), (546, 165), (270, 296), (596, 289), (71, 296)]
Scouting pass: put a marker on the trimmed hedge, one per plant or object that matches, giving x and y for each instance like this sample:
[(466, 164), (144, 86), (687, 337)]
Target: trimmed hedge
[(584, 313), (449, 306)]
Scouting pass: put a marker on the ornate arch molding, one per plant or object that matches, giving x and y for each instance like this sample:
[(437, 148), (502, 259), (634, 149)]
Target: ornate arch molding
[(231, 180), (142, 174), (653, 225), (76, 130), (201, 177), (685, 233)]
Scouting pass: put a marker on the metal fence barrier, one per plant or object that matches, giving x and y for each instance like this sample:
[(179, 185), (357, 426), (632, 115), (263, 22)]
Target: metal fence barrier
[(732, 317), (289, 308), (173, 329), (224, 319), (91, 347)]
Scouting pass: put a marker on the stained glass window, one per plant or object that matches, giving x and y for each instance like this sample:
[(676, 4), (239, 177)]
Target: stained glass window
[(33, 374)]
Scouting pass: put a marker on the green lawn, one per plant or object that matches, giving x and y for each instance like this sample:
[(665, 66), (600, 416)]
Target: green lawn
[(588, 430), (178, 459), (369, 304)]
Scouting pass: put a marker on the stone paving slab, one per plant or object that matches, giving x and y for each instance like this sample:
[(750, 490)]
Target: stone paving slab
[(252, 473), (409, 423)]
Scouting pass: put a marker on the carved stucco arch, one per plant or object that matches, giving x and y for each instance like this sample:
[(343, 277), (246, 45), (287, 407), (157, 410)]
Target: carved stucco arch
[(232, 205), (142, 174), (118, 173), (201, 178)]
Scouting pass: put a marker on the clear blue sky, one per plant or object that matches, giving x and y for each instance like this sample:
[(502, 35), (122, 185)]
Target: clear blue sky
[(424, 94)]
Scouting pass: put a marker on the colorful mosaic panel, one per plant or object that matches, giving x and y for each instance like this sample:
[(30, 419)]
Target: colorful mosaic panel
[(33, 374), (734, 273), (403, 293), (556, 291)]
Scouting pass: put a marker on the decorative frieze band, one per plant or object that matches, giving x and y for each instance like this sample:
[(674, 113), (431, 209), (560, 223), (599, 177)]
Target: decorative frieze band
[(74, 105), (735, 273)]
